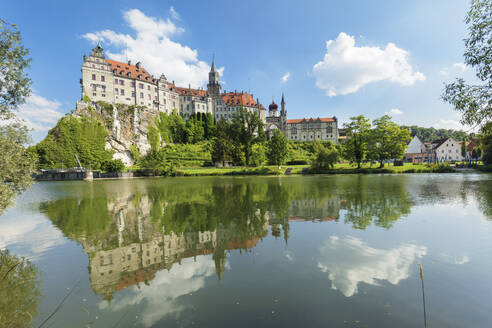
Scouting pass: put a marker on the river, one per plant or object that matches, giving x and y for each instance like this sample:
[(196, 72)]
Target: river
[(305, 251)]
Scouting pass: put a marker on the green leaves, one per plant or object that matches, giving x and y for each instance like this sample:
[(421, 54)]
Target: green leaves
[(277, 148), (15, 85), (475, 101), (16, 163), (84, 136)]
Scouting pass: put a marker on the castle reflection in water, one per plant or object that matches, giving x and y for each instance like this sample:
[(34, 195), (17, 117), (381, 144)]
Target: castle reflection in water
[(141, 250), (131, 233)]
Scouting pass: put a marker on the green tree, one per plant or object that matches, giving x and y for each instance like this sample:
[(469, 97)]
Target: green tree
[(387, 140), (246, 127), (209, 126), (277, 148), (84, 136), (16, 164), (15, 85), (463, 148), (19, 290), (326, 157), (485, 144), (258, 155), (222, 144), (474, 101), (355, 148)]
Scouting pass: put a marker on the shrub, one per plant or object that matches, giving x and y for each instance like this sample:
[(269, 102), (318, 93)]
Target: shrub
[(326, 158), (297, 162), (115, 165)]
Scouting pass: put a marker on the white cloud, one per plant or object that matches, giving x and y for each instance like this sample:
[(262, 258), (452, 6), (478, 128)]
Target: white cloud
[(39, 114), (174, 14), (394, 112), (161, 297), (152, 45), (285, 77), (349, 261), (346, 68), (448, 124), (456, 68)]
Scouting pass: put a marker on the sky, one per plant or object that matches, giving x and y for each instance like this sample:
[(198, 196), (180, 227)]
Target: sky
[(329, 58)]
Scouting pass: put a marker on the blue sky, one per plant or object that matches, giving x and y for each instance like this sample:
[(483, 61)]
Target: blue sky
[(338, 58)]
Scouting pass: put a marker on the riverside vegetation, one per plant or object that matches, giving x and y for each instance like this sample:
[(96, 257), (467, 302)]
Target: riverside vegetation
[(191, 147)]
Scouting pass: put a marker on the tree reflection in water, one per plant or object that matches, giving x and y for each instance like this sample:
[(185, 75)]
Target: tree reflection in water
[(19, 290)]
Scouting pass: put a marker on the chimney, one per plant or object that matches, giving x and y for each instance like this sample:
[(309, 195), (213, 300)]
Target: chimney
[(138, 64), (129, 62)]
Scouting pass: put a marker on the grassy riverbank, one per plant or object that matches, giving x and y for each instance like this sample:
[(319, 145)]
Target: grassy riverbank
[(300, 169)]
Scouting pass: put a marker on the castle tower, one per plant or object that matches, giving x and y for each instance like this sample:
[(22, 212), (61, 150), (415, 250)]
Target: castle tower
[(283, 114), (213, 85), (273, 109)]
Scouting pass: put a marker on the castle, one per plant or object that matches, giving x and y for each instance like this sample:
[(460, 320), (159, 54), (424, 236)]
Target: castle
[(123, 83)]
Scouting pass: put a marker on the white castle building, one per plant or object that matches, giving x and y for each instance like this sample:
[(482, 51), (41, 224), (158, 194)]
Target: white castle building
[(123, 83), (304, 129)]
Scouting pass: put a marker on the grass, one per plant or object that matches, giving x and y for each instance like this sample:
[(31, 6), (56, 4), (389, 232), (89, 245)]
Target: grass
[(341, 168)]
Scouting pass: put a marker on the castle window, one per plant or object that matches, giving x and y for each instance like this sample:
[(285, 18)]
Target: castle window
[(148, 96), (94, 87), (133, 94), (294, 131), (116, 90), (148, 87), (93, 77), (133, 83), (102, 67), (140, 85), (329, 129), (122, 92), (122, 82), (141, 95), (102, 78), (115, 81), (188, 107)]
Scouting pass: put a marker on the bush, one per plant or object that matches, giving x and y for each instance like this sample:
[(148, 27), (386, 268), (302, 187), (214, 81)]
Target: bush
[(297, 162), (326, 158), (115, 165)]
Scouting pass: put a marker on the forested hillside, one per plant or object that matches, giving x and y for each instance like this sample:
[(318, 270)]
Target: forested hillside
[(431, 134)]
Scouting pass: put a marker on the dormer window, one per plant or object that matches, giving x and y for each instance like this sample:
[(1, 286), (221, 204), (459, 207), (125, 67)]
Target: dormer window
[(128, 74), (139, 76)]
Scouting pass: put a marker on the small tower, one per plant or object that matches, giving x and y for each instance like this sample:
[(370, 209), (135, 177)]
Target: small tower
[(213, 85), (283, 111), (273, 109), (283, 114)]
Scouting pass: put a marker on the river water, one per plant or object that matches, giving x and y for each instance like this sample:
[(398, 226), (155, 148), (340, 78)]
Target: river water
[(332, 251)]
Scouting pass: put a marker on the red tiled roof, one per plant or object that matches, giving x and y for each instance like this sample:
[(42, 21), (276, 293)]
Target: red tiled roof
[(191, 92), (239, 99), (130, 71), (311, 120)]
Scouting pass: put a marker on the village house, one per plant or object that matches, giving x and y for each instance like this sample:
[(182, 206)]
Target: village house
[(441, 150)]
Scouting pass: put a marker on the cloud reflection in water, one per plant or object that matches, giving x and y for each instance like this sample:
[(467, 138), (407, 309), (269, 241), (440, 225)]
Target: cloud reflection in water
[(349, 261)]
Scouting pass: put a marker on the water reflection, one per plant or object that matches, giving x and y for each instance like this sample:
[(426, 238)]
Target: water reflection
[(132, 234), (349, 261), (19, 290)]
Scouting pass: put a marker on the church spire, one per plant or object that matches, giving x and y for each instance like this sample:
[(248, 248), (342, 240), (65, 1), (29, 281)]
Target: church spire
[(283, 101), (213, 64)]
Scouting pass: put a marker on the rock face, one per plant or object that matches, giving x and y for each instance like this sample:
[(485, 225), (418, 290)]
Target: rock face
[(126, 125)]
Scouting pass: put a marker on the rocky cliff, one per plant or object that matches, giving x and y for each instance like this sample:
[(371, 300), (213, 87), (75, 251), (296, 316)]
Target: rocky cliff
[(126, 125)]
